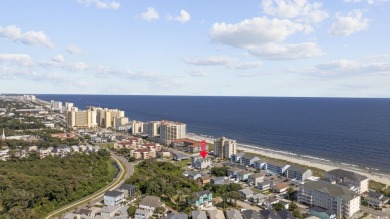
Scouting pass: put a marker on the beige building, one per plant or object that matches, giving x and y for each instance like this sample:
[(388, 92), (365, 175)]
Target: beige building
[(153, 129), (137, 127), (106, 118), (343, 202), (224, 148), (68, 106), (119, 121), (170, 131)]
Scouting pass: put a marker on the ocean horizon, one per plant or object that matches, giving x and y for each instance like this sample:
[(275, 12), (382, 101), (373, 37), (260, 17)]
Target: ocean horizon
[(347, 130)]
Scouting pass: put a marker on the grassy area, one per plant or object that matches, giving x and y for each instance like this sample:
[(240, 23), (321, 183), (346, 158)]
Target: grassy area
[(183, 163), (256, 190), (105, 145)]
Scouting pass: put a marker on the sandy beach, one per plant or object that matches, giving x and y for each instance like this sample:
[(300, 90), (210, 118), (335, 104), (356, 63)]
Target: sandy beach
[(307, 161)]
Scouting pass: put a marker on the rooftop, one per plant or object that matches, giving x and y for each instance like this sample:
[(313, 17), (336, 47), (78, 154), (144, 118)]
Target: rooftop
[(151, 201), (330, 189), (113, 193), (347, 174), (298, 169)]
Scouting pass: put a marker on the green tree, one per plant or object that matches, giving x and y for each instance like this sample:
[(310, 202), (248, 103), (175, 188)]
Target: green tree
[(219, 171), (131, 210), (292, 206), (290, 191), (278, 206), (132, 159)]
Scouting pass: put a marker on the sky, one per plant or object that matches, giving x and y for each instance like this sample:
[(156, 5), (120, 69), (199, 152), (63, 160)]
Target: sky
[(297, 48)]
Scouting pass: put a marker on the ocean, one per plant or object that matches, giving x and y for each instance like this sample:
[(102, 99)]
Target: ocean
[(348, 130)]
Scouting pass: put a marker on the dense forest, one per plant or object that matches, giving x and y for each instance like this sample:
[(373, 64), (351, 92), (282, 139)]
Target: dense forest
[(31, 188)]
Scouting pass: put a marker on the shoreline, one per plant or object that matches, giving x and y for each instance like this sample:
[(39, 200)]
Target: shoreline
[(306, 160)]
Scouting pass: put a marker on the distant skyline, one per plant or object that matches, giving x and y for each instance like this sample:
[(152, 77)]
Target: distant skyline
[(297, 48)]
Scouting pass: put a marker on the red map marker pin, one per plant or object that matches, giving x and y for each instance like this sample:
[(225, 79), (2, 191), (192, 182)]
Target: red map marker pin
[(203, 152)]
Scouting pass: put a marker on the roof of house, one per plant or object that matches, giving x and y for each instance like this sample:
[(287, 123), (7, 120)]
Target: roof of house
[(177, 216), (373, 194), (284, 214), (202, 193), (347, 174), (276, 163), (239, 154), (281, 185), (113, 193), (301, 170), (246, 191), (205, 177), (198, 215), (180, 155), (266, 214), (233, 214), (244, 172), (250, 214), (257, 175), (127, 186), (330, 189), (193, 174), (141, 211), (151, 201), (249, 156)]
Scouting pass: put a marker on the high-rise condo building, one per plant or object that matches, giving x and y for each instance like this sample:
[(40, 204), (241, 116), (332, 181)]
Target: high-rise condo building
[(170, 131), (153, 129), (224, 148)]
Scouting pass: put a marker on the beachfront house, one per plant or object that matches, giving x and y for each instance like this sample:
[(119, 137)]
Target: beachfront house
[(248, 159), (232, 172), (300, 174), (276, 167), (113, 197), (219, 181), (260, 164), (236, 158), (178, 156), (246, 193), (376, 199)]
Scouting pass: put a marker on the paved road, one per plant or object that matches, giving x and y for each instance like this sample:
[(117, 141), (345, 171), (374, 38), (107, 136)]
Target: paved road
[(98, 196)]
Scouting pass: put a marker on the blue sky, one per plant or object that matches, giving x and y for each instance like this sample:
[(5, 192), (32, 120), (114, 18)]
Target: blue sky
[(335, 48)]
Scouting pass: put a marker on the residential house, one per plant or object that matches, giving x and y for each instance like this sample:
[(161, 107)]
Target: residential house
[(258, 198), (198, 215), (215, 214), (178, 156), (285, 214), (248, 159), (112, 211), (85, 212), (200, 163), (202, 198), (322, 213), (191, 146), (232, 172), (219, 181), (260, 164), (256, 178), (250, 214), (113, 197), (236, 158), (331, 197), (194, 175), (280, 187), (128, 190), (268, 214), (275, 167), (246, 193), (376, 199), (177, 216), (150, 203), (300, 174), (233, 214), (141, 214), (204, 179), (349, 177), (243, 175)]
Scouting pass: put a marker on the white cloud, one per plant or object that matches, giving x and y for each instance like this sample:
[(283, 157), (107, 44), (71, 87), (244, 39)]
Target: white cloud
[(349, 24), (184, 17), (370, 2), (302, 10), (74, 50), (150, 14), (58, 58), (231, 63), (22, 59), (15, 33), (198, 73), (263, 37), (101, 4)]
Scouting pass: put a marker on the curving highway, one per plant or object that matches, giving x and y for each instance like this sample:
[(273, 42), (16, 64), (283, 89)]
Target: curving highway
[(126, 170)]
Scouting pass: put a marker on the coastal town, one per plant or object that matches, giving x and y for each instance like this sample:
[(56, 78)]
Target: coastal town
[(176, 175)]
